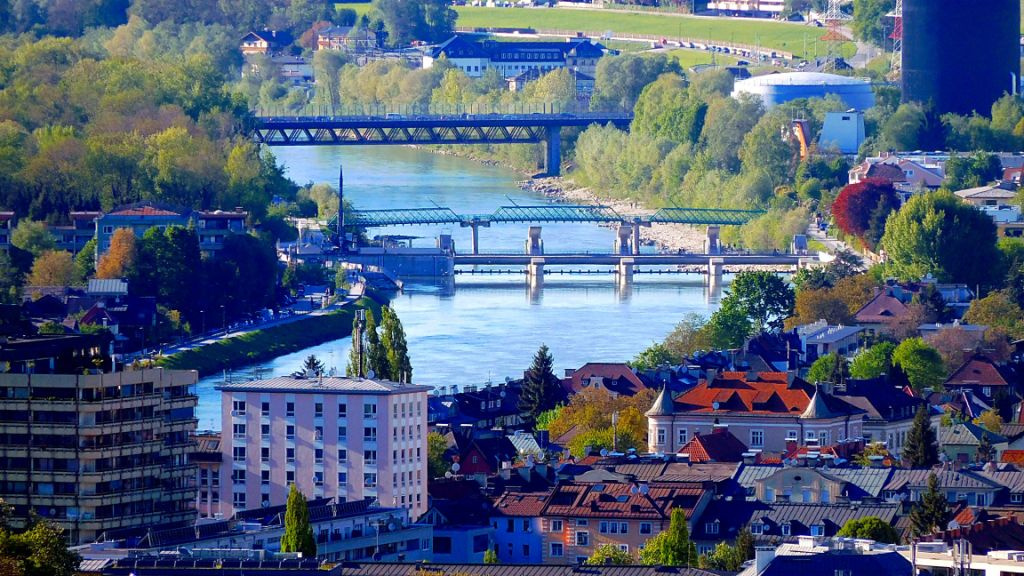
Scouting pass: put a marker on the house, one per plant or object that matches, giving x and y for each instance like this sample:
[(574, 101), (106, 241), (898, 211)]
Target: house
[(985, 536), (971, 487), (265, 42), (818, 339), (6, 225), (981, 376), (880, 311), (763, 409), (207, 458), (909, 174), (617, 378), (517, 520), (482, 407), (888, 411), (514, 58), (719, 446), (546, 569), (941, 558), (1011, 478), (991, 195), (814, 556), (960, 404), (211, 227), (459, 515), (346, 39), (962, 442), (75, 236)]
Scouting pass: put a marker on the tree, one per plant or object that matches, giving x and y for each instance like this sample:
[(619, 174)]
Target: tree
[(872, 362), (85, 262), (10, 280), (861, 209), (978, 169), (313, 366), (723, 557), (618, 82), (32, 237), (990, 420), (920, 449), (920, 362), (426, 20), (392, 340), (868, 21), (436, 447), (997, 310), (729, 326), (609, 555), (745, 545), (935, 233), (764, 297), (952, 343), (52, 268), (872, 528), (40, 550), (298, 532), (828, 368), (671, 547), (490, 556), (120, 258), (540, 390), (932, 512), (655, 355), (688, 336)]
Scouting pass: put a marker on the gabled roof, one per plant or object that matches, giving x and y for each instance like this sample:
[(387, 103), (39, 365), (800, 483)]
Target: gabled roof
[(143, 211), (527, 504), (997, 191), (719, 446), (966, 434), (881, 402), (762, 393), (997, 534), (978, 370), (621, 501), (882, 308), (904, 478), (616, 377)]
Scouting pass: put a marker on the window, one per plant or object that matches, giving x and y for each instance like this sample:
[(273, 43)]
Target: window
[(757, 528), (318, 455), (645, 527), (265, 454), (623, 527), (986, 390), (238, 408), (369, 410), (318, 410), (1017, 498), (289, 476), (792, 435), (582, 522), (711, 527), (369, 456), (318, 432), (809, 435), (757, 438), (683, 438), (290, 431), (238, 476), (582, 538), (624, 548), (661, 436), (526, 525), (370, 480), (824, 438), (264, 477), (342, 455), (825, 496), (318, 478), (239, 453), (806, 495), (817, 530), (239, 430), (785, 529), (265, 408), (556, 525), (342, 410), (342, 432), (526, 550), (265, 430), (238, 499), (370, 434), (556, 549), (342, 477), (290, 454), (289, 409)]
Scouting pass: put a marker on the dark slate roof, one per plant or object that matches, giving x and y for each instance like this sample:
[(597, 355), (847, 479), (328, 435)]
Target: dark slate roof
[(881, 401), (434, 569), (835, 562), (966, 434), (802, 516), (948, 479), (461, 47)]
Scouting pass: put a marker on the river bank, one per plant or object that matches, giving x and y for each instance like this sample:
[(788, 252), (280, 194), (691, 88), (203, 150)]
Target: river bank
[(667, 237)]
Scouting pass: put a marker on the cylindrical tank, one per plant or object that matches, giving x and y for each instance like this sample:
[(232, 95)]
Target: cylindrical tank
[(960, 55), (775, 89)]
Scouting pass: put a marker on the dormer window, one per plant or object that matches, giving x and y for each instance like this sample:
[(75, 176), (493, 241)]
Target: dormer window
[(757, 528), (817, 530), (785, 529)]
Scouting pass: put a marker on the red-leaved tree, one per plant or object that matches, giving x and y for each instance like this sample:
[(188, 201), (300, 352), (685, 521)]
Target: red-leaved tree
[(861, 209)]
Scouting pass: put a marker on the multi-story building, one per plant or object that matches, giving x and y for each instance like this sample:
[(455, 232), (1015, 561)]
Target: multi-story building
[(211, 227), (342, 438), (99, 452), (76, 235), (772, 8), (511, 59), (207, 458), (765, 410), (6, 222)]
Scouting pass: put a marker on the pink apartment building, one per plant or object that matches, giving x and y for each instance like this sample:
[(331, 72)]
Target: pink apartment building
[(343, 438)]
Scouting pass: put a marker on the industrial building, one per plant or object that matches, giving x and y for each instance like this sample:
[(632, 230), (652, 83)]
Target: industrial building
[(960, 56), (775, 89)]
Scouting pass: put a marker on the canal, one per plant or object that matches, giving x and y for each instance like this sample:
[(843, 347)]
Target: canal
[(488, 327)]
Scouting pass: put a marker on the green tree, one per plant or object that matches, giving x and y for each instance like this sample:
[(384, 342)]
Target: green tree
[(745, 545), (540, 390), (40, 550), (872, 528), (85, 262), (764, 297), (921, 449), (666, 110), (869, 18), (990, 420), (872, 362), (10, 280), (920, 362), (298, 532), (936, 233), (313, 366), (426, 20), (609, 555), (723, 557), (997, 310), (392, 340), (931, 513), (828, 368), (671, 547), (655, 355), (619, 81), (490, 556), (436, 447), (32, 237), (729, 326)]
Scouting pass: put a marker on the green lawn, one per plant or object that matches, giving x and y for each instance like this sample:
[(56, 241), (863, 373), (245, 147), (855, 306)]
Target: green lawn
[(690, 58)]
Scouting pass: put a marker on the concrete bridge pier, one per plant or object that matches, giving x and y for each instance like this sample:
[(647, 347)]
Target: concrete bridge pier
[(535, 273), (623, 239), (474, 232), (624, 271), (554, 151), (637, 223), (534, 243), (712, 243), (715, 268)]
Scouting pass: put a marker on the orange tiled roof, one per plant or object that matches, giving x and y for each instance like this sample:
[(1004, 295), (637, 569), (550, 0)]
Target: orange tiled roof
[(769, 394), (612, 373), (719, 446), (521, 503), (621, 500), (1013, 456)]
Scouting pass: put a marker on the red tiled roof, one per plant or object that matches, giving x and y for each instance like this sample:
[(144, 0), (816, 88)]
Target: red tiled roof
[(611, 373), (144, 211), (881, 308), (618, 500), (719, 446), (976, 371), (1013, 456), (521, 503), (769, 394)]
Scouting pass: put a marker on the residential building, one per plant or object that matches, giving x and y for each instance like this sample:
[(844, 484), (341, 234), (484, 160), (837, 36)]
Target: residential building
[(763, 409), (813, 556), (55, 353), (939, 558), (888, 411), (981, 376), (615, 377), (962, 442), (211, 227), (6, 226), (99, 452), (342, 438), (519, 526), (881, 311), (75, 236), (819, 339), (546, 569), (769, 8), (991, 195), (908, 174), (346, 39), (265, 42), (718, 446), (208, 459), (514, 58), (958, 485), (460, 516), (486, 407)]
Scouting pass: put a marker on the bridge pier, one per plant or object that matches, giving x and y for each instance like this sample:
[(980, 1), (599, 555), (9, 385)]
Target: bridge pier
[(625, 271), (712, 242), (637, 223), (534, 243), (553, 165), (623, 239), (535, 273), (474, 232), (715, 268)]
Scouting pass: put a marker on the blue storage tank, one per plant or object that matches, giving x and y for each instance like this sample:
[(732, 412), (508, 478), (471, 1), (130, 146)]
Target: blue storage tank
[(774, 89)]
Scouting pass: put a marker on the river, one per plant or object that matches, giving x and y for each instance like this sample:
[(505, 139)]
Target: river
[(488, 327)]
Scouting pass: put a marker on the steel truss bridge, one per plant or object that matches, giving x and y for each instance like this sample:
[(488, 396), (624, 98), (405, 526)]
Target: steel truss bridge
[(398, 129)]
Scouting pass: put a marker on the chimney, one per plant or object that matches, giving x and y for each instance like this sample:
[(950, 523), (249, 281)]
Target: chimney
[(719, 428), (763, 556), (750, 458), (711, 374), (568, 372), (506, 470), (876, 461)]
